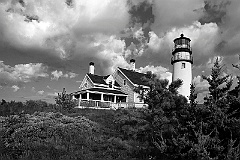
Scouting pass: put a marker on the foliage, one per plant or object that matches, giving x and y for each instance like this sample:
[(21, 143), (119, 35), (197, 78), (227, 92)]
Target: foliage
[(30, 106), (154, 130), (219, 85), (47, 136), (64, 101), (172, 129), (57, 136)]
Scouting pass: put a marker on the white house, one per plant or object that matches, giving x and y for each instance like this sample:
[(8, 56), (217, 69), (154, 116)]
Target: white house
[(111, 91)]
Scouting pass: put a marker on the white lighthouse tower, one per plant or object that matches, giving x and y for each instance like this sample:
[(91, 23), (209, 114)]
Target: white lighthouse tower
[(182, 61)]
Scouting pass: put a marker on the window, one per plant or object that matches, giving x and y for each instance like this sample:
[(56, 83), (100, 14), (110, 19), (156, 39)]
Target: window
[(124, 82), (110, 84), (183, 65)]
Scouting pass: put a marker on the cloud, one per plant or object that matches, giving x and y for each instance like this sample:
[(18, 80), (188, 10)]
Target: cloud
[(111, 52), (200, 84), (40, 92), (51, 95), (15, 88), (58, 74), (214, 11), (168, 16), (33, 89), (34, 24), (161, 72), (72, 75), (21, 73)]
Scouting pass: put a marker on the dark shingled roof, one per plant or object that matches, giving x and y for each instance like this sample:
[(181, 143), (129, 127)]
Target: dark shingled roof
[(100, 79), (97, 79), (103, 90), (134, 77)]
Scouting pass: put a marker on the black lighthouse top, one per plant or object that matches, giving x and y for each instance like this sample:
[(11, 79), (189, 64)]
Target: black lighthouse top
[(182, 44), (182, 50)]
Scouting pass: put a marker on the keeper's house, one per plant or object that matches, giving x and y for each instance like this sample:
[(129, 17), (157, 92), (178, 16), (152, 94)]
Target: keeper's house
[(111, 91)]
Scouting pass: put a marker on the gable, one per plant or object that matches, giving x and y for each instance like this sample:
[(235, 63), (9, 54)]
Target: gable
[(110, 79), (86, 83)]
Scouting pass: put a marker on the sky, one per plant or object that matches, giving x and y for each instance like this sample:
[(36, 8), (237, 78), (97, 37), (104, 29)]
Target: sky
[(47, 45)]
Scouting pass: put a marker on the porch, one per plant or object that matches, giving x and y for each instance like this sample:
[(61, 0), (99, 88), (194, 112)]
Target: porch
[(101, 98)]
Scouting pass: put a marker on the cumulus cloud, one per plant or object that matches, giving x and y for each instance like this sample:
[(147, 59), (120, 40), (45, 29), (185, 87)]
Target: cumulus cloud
[(15, 88), (51, 95), (72, 75), (111, 52), (200, 84), (40, 92), (33, 89), (161, 72), (34, 23), (58, 74), (21, 73)]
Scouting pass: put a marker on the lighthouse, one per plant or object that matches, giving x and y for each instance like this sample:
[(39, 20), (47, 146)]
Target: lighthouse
[(182, 61)]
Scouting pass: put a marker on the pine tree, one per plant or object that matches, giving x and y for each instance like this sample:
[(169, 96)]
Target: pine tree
[(216, 113), (219, 84), (155, 129), (64, 101), (193, 96)]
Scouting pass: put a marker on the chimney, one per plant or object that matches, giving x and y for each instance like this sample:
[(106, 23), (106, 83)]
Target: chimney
[(91, 68), (132, 64)]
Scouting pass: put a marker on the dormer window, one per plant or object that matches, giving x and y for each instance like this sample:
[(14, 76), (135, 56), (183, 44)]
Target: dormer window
[(110, 84), (124, 82)]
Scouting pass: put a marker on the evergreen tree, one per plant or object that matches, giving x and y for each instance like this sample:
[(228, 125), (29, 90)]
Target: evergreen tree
[(154, 130), (219, 85), (64, 101), (217, 123)]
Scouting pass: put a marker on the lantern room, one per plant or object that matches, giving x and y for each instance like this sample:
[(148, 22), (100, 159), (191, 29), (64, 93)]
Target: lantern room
[(182, 50)]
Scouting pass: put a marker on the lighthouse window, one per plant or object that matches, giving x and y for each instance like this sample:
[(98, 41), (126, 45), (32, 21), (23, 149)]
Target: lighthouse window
[(183, 65)]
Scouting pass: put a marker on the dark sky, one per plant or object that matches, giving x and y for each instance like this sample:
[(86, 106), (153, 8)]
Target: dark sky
[(46, 45)]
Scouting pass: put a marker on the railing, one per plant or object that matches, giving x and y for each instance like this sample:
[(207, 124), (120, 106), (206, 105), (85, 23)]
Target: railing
[(92, 103), (108, 105)]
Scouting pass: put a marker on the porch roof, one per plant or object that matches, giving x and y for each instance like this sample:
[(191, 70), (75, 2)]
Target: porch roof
[(105, 90)]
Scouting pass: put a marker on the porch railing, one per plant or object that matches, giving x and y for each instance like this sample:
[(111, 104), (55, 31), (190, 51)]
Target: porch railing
[(91, 103), (107, 105)]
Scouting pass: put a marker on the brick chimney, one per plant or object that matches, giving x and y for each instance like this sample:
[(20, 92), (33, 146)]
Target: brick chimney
[(132, 64), (91, 68)]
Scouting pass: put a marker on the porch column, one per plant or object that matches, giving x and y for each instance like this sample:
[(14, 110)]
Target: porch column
[(115, 99), (102, 97), (79, 100), (88, 96)]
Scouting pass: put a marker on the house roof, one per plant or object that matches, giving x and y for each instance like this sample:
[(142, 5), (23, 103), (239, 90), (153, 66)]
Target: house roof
[(105, 90), (96, 78), (134, 77), (100, 79)]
